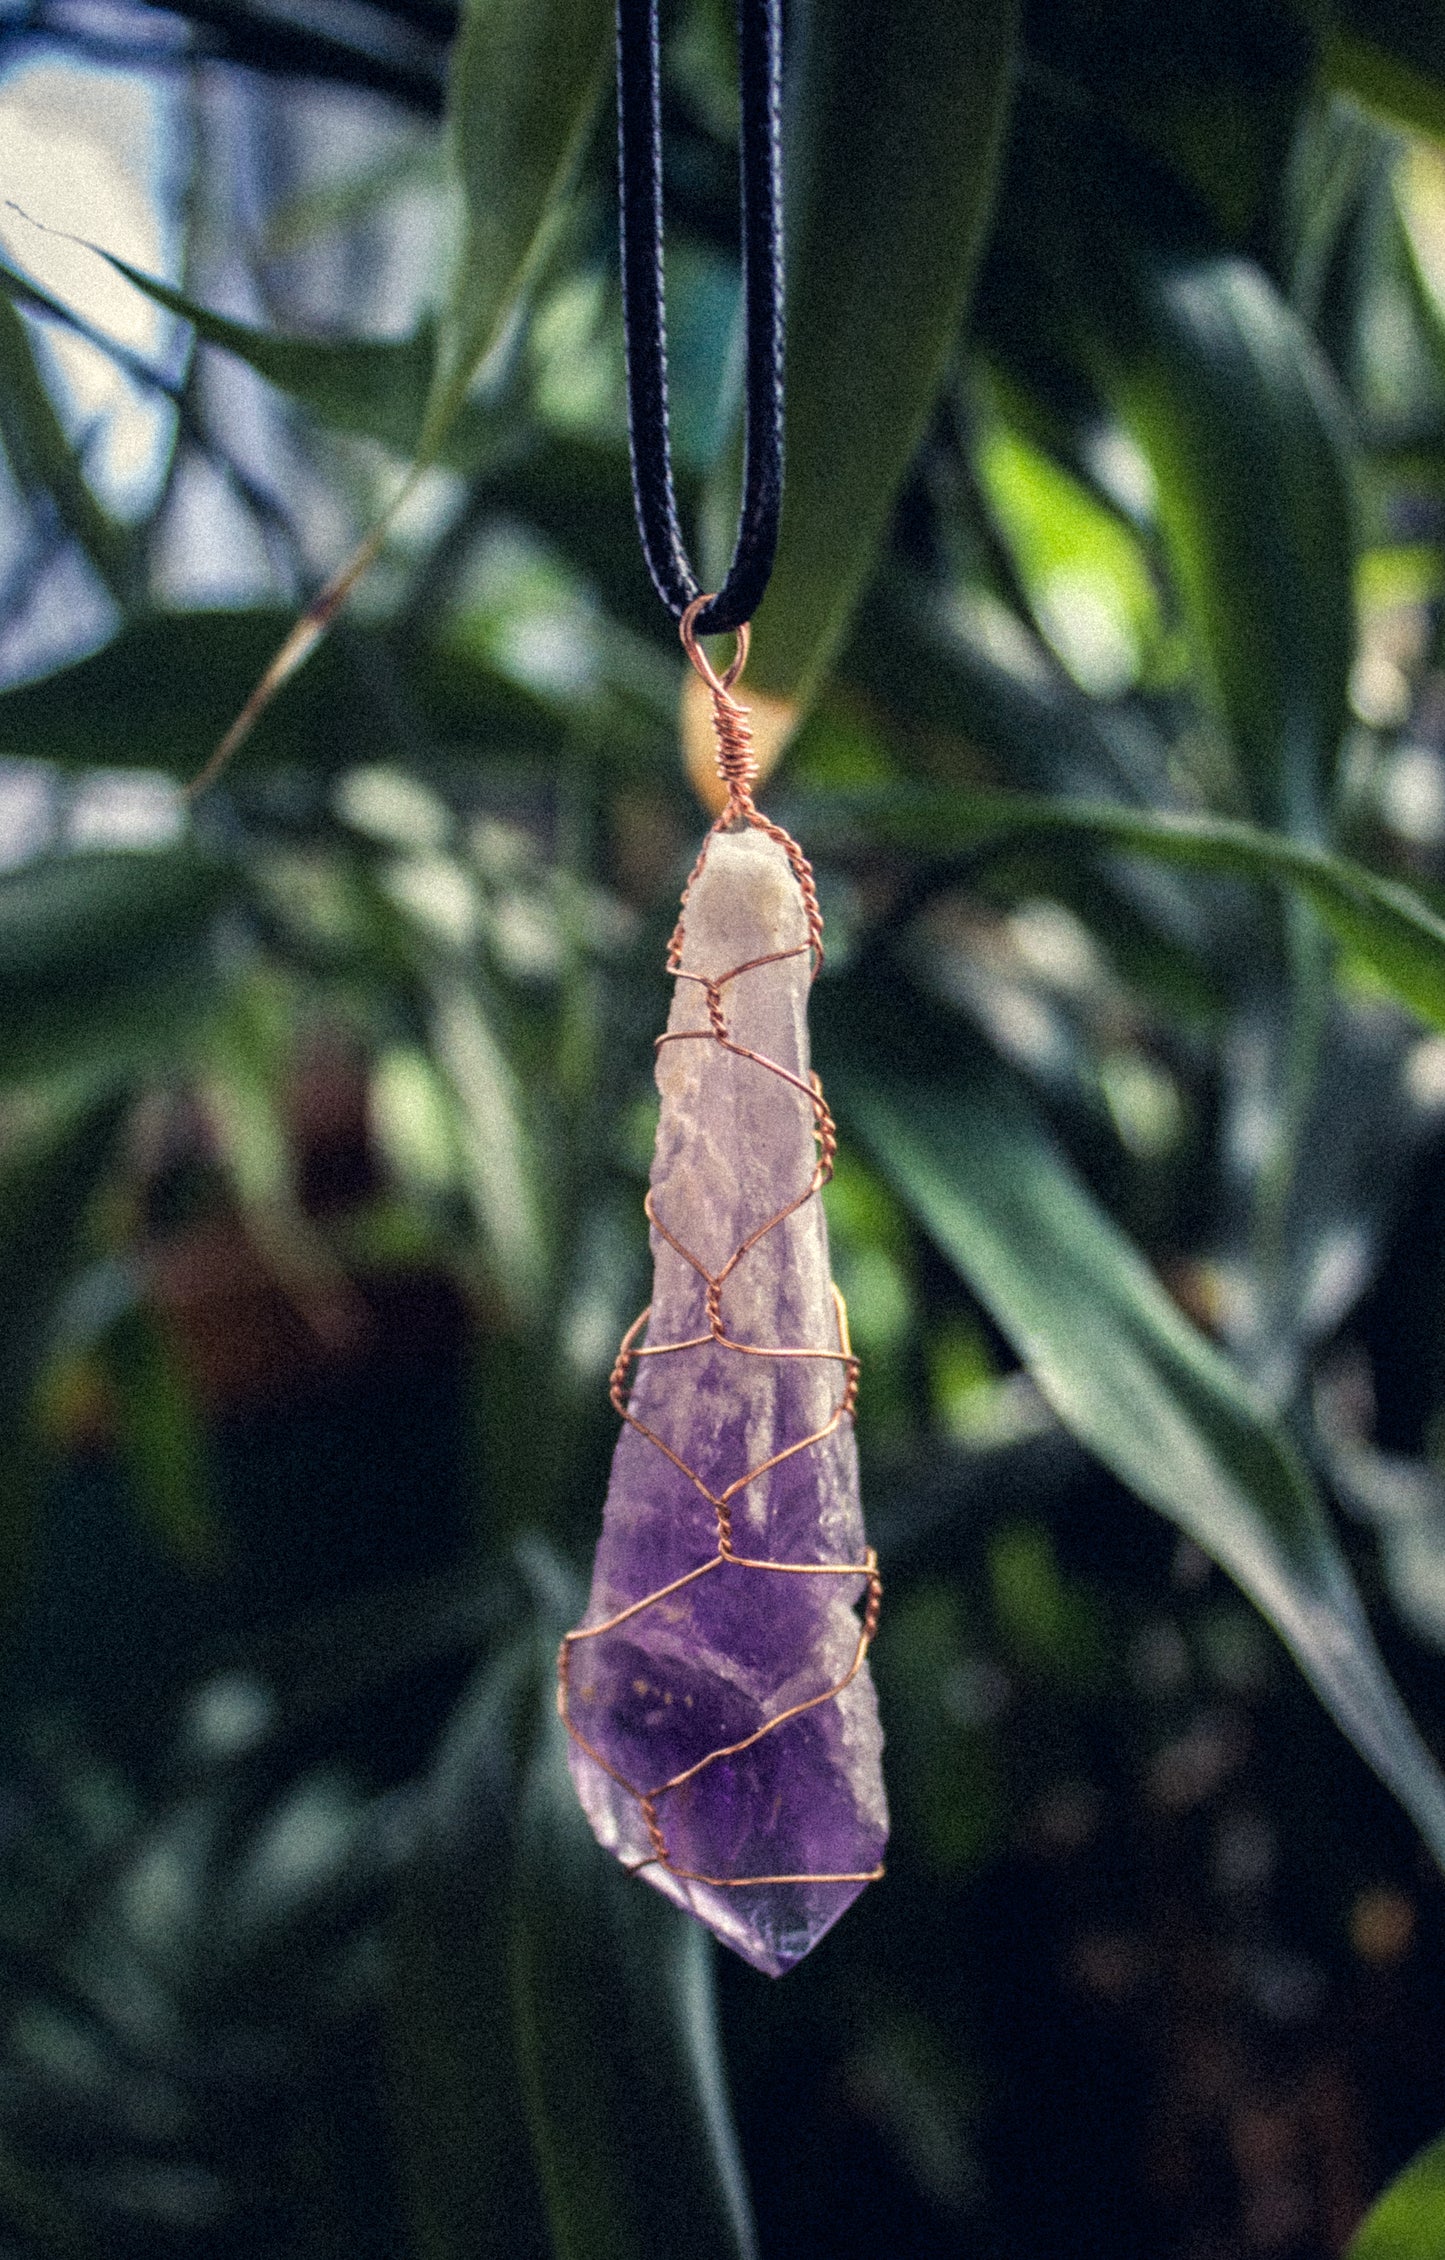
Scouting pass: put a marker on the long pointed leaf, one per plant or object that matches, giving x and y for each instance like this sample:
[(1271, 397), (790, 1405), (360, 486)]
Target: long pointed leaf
[(563, 2007), (1240, 419), (897, 113), (1385, 923), (373, 385), (1124, 1370), (1389, 54), (164, 688), (466, 2145), (106, 960), (524, 89), (1244, 432), (41, 455), (619, 2049), (376, 386), (46, 1183)]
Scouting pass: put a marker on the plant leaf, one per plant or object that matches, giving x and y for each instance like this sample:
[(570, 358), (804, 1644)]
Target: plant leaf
[(884, 231), (161, 1439), (1408, 2222), (375, 386), (47, 1179), (1240, 420), (557, 2016), (1243, 429), (106, 964), (1124, 1370), (1391, 56), (523, 92), (162, 690), (619, 2053), (966, 677), (463, 2132), (500, 1164), (42, 457), (1386, 924)]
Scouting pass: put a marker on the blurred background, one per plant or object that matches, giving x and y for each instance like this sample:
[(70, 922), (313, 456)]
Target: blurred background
[(1107, 637)]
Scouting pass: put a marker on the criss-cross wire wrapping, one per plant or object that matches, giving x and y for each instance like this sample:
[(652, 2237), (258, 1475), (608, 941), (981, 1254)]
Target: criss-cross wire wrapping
[(738, 769)]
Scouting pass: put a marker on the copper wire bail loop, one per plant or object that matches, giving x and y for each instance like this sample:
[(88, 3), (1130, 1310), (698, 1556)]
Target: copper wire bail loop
[(719, 685)]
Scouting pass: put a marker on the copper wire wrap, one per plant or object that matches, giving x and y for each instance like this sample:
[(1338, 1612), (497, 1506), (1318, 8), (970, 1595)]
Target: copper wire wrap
[(738, 770)]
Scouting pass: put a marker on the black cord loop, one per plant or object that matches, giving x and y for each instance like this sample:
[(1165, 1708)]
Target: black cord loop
[(639, 150)]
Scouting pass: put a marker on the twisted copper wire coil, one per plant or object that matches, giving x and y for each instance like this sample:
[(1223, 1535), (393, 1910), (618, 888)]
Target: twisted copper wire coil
[(738, 768)]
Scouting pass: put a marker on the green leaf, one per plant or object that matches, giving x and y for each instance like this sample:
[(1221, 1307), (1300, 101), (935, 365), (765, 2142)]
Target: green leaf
[(558, 2034), (42, 458), (619, 2053), (159, 694), (1390, 54), (898, 109), (1215, 91), (48, 1176), (957, 681), (1082, 568), (1384, 923), (1124, 1370), (459, 2116), (499, 1159), (524, 89), (1243, 428), (1408, 2222), (161, 1438), (375, 386), (106, 960), (1416, 191), (65, 918), (1246, 434), (1239, 418)]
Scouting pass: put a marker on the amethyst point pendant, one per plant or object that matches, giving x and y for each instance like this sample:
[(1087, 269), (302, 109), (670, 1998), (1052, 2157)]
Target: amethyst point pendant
[(724, 1735)]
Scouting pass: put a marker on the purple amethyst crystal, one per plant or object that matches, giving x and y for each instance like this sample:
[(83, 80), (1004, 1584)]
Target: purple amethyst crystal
[(709, 1664)]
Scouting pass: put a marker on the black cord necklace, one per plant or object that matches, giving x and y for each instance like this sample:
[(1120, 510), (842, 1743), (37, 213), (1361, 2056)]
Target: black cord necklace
[(639, 149)]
